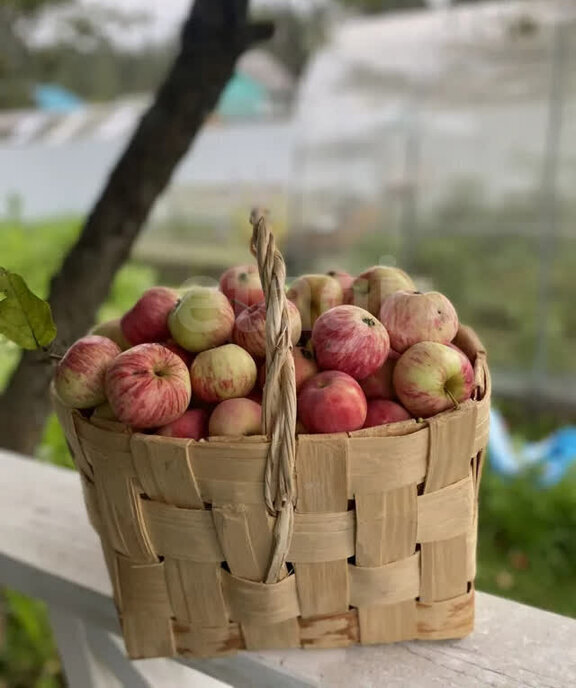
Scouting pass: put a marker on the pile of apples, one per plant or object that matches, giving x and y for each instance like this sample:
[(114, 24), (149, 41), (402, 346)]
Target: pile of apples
[(367, 351)]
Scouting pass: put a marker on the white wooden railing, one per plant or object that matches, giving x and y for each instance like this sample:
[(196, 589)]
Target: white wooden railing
[(49, 551)]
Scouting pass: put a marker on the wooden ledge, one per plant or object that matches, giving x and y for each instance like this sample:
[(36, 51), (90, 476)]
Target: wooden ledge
[(48, 550)]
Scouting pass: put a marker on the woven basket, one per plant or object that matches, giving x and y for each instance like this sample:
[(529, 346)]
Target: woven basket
[(207, 554)]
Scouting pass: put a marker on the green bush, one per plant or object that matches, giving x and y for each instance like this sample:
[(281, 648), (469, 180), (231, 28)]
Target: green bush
[(526, 544)]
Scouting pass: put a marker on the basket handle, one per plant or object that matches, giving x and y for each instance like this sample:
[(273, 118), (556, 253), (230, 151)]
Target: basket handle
[(279, 398)]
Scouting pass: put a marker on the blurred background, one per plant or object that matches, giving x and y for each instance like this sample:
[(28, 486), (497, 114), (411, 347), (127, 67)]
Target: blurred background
[(439, 136)]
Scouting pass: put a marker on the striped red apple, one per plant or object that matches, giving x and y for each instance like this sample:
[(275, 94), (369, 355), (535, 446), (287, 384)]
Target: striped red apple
[(148, 386), (147, 320), (242, 286), (79, 378), (331, 401), (224, 372), (412, 317), (431, 377), (351, 340)]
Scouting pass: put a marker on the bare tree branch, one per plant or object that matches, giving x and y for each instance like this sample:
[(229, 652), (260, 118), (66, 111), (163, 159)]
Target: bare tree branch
[(214, 35)]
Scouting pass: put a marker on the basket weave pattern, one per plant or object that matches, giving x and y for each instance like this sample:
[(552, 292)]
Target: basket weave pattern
[(170, 512), (381, 545)]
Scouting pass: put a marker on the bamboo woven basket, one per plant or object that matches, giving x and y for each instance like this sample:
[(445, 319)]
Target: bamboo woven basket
[(283, 541)]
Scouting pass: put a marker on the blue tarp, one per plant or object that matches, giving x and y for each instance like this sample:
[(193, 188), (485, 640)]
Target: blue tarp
[(242, 97), (553, 455), (54, 98)]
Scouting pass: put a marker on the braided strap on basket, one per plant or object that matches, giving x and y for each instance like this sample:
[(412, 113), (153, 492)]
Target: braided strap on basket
[(279, 400)]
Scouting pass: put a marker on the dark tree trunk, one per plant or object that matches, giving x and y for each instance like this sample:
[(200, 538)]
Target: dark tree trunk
[(214, 35)]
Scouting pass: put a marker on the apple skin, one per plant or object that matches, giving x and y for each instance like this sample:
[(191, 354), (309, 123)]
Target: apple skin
[(384, 411), (313, 295), (193, 424), (431, 377), (202, 319), (186, 356), (379, 385), (412, 317), (242, 286), (225, 372), (304, 367), (250, 328), (346, 281), (113, 330), (372, 286), (147, 320), (80, 374), (331, 401), (351, 340), (148, 386), (236, 417)]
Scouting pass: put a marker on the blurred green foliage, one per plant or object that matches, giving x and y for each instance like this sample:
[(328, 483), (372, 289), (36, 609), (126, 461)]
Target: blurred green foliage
[(487, 259), (28, 656), (526, 544)]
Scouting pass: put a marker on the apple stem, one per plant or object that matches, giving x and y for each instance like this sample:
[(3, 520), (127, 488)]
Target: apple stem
[(453, 399), (51, 354)]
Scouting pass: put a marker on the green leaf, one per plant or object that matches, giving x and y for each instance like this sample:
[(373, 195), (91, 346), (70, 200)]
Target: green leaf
[(24, 318)]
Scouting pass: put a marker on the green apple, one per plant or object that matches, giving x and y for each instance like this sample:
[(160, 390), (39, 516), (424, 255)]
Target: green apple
[(202, 319)]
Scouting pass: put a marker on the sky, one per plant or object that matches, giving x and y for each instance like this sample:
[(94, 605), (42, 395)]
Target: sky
[(167, 14)]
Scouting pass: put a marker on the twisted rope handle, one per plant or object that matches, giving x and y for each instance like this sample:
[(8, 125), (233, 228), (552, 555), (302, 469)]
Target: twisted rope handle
[(279, 400)]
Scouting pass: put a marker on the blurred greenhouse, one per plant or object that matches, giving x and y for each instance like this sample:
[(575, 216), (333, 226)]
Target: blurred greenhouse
[(446, 141)]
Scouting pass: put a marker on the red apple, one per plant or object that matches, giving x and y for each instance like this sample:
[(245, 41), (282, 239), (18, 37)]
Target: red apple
[(372, 286), (379, 384), (412, 317), (457, 348), (113, 330), (192, 424), (147, 320), (186, 356), (222, 373), (242, 286), (384, 411), (313, 295), (79, 377), (350, 339), (431, 377), (304, 367), (236, 417), (202, 319), (346, 281), (331, 402), (250, 328), (148, 386)]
